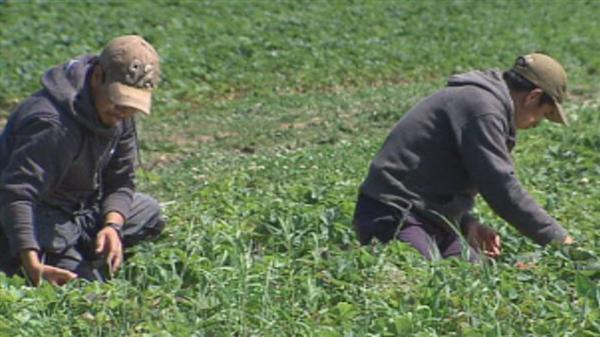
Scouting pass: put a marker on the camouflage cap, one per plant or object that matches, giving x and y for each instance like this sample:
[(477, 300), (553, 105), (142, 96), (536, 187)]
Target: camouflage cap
[(546, 73), (132, 71)]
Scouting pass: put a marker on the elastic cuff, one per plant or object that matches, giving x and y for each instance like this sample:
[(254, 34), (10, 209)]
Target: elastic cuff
[(17, 248), (555, 233)]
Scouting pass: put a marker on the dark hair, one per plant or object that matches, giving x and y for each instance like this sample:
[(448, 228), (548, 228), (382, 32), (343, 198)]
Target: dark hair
[(516, 82)]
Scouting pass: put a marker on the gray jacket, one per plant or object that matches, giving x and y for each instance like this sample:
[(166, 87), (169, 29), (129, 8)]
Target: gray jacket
[(452, 145), (55, 152)]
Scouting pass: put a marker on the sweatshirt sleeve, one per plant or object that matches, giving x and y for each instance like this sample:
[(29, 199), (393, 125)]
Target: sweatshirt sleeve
[(33, 168), (487, 160), (119, 174), (465, 220)]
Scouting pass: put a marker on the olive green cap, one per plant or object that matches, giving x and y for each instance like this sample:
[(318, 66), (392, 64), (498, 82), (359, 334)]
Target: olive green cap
[(547, 74)]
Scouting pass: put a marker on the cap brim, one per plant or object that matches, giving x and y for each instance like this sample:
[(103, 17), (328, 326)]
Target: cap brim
[(125, 95), (558, 115)]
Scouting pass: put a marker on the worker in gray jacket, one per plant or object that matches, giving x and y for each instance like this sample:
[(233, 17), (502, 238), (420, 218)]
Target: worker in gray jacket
[(67, 155), (453, 145)]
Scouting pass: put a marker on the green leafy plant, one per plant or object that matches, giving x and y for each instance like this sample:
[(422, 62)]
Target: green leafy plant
[(262, 130)]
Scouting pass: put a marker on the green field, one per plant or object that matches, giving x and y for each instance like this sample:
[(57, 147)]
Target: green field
[(263, 127)]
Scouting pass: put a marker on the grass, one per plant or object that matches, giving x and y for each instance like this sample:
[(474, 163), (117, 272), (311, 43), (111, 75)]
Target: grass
[(264, 125)]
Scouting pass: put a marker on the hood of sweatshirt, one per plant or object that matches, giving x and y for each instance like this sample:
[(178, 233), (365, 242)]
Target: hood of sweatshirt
[(68, 85), (491, 81)]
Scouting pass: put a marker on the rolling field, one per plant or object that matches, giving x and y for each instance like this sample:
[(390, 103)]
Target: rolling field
[(263, 127)]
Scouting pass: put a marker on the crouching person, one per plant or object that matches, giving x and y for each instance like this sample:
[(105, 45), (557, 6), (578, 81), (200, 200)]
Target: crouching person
[(68, 205), (454, 145)]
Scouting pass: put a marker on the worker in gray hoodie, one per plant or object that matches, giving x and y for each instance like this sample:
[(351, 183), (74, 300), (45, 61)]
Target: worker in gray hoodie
[(453, 145), (68, 205)]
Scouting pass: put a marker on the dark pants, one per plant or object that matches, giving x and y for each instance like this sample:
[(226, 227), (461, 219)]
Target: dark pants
[(373, 219), (68, 241)]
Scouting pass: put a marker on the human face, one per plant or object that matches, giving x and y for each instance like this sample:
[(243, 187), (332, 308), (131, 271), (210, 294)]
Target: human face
[(110, 114), (529, 112), (113, 114), (530, 118)]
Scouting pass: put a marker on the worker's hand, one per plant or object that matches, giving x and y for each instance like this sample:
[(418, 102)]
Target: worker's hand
[(568, 240), (484, 239), (109, 246), (37, 271), (56, 276)]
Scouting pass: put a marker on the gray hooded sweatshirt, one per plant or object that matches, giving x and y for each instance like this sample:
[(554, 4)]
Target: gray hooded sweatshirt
[(452, 145), (55, 152)]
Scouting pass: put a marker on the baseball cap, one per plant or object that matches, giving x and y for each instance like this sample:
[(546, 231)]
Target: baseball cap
[(132, 71), (546, 73)]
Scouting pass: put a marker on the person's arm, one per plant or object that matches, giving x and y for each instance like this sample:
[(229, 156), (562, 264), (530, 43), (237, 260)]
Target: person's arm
[(39, 148), (487, 160), (118, 189), (119, 175)]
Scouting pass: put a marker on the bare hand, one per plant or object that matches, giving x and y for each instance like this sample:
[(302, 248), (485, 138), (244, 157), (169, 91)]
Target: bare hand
[(56, 276), (568, 240), (484, 238), (108, 245), (37, 271)]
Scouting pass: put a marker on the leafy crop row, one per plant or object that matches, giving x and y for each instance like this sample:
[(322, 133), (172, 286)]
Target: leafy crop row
[(264, 127)]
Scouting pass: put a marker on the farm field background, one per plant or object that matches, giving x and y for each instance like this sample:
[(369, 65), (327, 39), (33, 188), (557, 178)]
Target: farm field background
[(262, 129)]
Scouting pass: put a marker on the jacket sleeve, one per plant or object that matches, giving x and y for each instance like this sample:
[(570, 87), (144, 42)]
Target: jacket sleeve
[(486, 157), (119, 174), (34, 166), (465, 220)]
